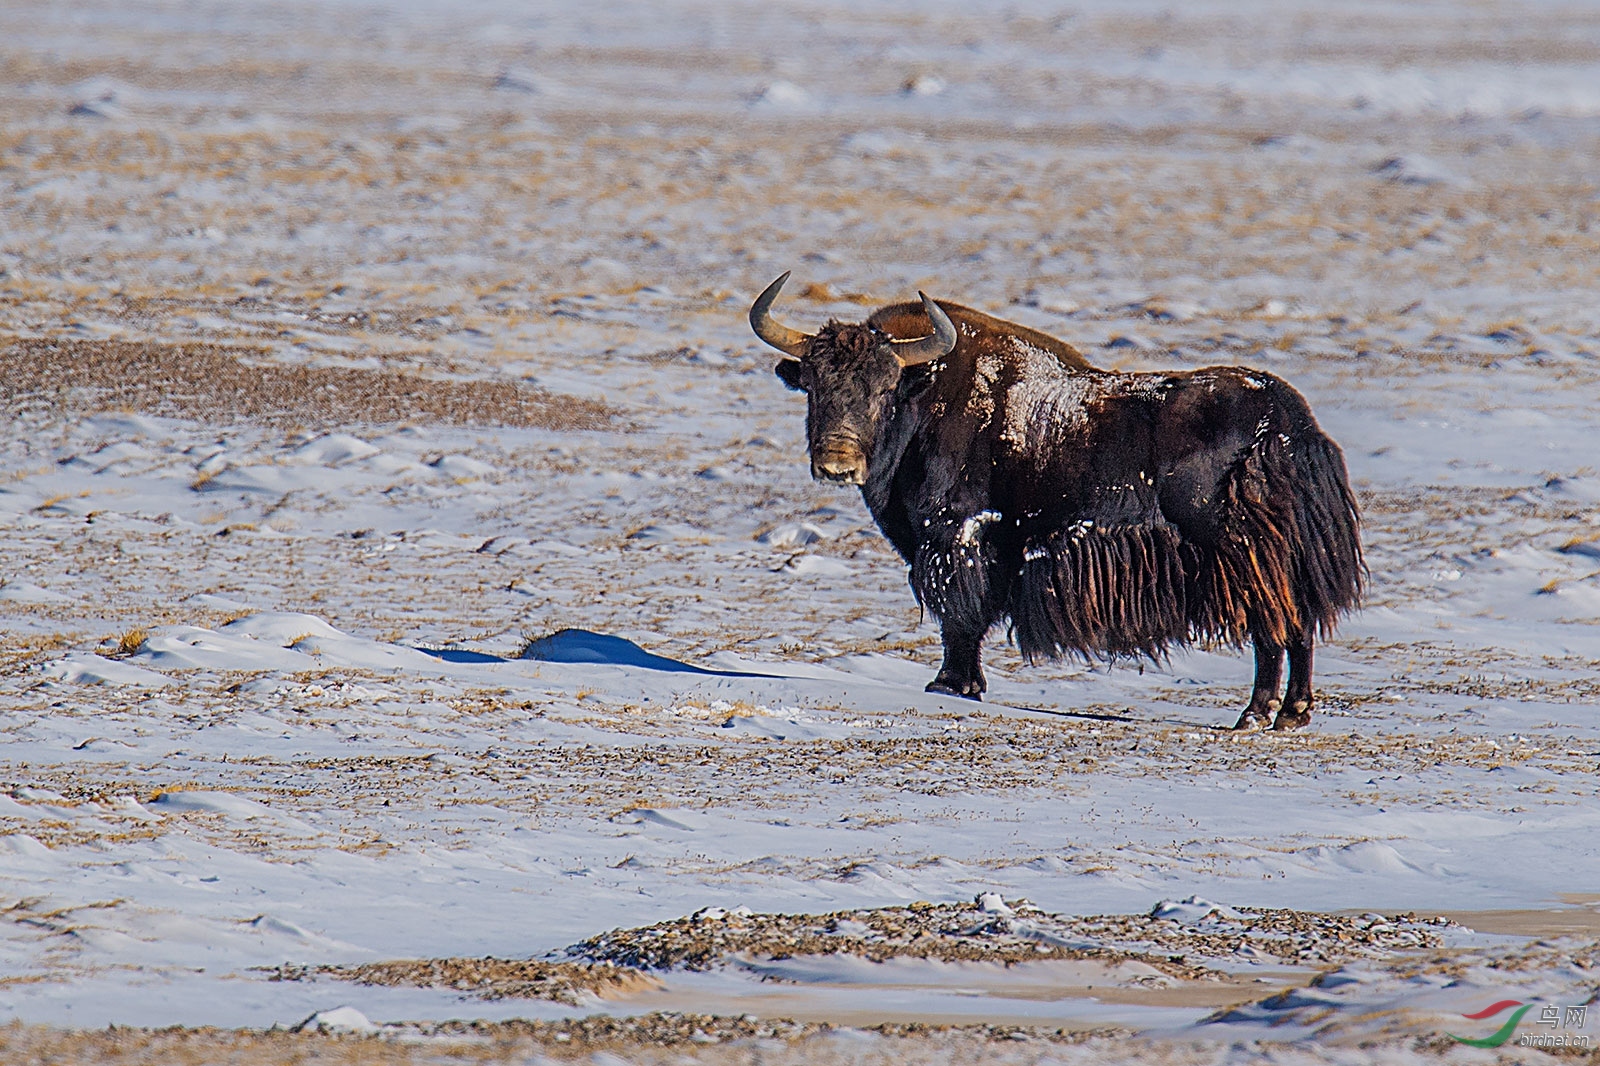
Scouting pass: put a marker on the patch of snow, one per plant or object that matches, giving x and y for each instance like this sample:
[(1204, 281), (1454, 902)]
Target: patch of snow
[(336, 1020)]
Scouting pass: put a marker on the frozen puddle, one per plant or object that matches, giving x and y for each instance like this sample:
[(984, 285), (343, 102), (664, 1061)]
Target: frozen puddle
[(1074, 994)]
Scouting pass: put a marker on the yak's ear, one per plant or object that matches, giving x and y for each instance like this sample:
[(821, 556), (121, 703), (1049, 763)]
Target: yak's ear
[(914, 381), (788, 371)]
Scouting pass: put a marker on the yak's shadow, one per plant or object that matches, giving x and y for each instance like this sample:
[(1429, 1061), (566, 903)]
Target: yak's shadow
[(584, 646)]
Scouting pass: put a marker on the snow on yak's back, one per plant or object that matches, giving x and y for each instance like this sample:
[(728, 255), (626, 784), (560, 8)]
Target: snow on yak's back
[(1103, 513)]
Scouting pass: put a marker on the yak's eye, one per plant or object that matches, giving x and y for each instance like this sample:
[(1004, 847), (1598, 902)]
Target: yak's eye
[(912, 384)]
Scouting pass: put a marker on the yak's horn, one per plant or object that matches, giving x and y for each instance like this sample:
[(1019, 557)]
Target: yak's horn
[(790, 342), (936, 345)]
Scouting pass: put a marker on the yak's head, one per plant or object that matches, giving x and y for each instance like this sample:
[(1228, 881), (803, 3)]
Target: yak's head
[(849, 374)]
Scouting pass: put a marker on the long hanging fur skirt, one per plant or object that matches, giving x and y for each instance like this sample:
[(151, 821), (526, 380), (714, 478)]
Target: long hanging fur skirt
[(1284, 564)]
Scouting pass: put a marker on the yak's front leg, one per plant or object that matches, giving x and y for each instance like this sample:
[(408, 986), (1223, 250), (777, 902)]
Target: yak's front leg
[(961, 674), (1264, 702), (951, 574), (1296, 710)]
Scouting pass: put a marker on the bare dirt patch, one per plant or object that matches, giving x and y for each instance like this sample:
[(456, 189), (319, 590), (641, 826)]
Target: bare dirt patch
[(211, 382)]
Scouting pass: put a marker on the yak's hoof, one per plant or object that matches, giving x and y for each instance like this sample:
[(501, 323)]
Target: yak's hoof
[(1294, 716), (967, 690), (1257, 716)]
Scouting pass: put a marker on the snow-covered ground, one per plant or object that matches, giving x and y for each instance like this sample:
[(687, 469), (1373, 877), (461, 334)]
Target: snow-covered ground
[(350, 347)]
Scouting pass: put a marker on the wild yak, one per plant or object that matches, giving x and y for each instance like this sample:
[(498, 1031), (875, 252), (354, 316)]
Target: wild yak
[(1103, 513)]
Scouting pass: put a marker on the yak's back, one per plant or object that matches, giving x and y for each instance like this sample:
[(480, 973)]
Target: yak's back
[(909, 320)]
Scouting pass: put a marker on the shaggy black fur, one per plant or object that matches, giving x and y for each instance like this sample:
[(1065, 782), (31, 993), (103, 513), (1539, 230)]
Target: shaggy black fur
[(1103, 514)]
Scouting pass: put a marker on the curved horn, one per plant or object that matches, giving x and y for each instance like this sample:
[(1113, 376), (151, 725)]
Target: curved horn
[(936, 345), (790, 342)]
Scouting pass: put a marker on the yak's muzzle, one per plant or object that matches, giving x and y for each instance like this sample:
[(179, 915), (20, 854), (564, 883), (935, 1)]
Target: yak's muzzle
[(839, 460)]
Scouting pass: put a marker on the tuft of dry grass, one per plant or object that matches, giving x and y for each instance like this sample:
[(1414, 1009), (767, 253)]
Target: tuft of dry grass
[(130, 642)]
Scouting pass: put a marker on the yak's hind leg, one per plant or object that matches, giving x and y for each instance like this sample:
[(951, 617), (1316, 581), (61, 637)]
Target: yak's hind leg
[(961, 674), (1296, 709), (1264, 702)]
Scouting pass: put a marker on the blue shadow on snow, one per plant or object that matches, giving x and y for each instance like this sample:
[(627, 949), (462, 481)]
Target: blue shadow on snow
[(583, 646)]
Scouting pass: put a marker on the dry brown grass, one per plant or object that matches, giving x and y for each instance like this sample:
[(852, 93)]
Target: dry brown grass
[(214, 383), (488, 978), (652, 1038), (20, 652)]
